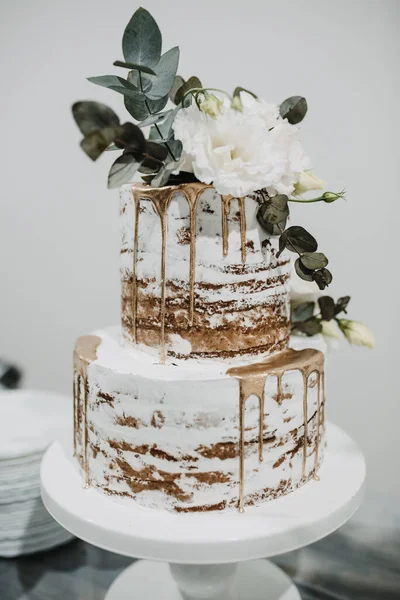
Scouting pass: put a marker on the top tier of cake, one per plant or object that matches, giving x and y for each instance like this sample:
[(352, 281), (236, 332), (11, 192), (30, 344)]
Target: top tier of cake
[(200, 277)]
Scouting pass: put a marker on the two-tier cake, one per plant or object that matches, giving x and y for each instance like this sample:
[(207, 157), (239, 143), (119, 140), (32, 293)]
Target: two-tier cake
[(198, 405)]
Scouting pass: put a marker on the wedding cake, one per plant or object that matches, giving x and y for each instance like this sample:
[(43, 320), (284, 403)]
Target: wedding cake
[(197, 402)]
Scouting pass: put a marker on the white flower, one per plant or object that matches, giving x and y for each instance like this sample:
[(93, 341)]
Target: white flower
[(357, 333), (212, 105), (240, 152), (308, 181), (330, 329)]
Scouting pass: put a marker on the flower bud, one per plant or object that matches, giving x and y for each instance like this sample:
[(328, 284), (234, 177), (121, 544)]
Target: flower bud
[(357, 333), (330, 329), (211, 105), (331, 196), (237, 104)]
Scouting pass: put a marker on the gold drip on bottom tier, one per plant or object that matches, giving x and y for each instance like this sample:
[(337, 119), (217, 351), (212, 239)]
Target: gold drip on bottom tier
[(84, 354), (160, 199), (252, 379)]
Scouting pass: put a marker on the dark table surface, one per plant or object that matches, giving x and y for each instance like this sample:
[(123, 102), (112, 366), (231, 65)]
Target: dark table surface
[(358, 562)]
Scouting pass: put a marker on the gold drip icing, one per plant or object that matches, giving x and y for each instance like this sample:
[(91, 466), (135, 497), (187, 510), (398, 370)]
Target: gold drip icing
[(252, 380), (161, 198), (321, 383), (226, 209), (84, 354), (243, 240), (134, 267)]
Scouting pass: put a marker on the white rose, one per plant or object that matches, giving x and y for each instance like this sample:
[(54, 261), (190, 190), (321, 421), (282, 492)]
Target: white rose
[(240, 152), (307, 182), (357, 333)]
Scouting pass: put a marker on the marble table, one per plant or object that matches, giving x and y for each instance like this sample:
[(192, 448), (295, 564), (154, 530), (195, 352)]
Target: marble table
[(361, 561)]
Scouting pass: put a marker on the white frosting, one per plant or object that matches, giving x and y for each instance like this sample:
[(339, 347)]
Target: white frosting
[(254, 291), (184, 410)]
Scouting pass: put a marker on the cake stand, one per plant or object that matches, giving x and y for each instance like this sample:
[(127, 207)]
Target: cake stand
[(209, 555)]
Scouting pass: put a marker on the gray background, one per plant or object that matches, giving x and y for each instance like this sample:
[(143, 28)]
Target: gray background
[(59, 224)]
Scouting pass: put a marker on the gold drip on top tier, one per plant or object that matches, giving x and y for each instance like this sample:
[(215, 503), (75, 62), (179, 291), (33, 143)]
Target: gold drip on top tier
[(252, 379), (160, 199)]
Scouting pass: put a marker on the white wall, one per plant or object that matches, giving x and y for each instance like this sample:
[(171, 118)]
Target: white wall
[(59, 224)]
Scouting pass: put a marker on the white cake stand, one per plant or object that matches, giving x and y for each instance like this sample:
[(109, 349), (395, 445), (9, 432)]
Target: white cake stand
[(210, 555)]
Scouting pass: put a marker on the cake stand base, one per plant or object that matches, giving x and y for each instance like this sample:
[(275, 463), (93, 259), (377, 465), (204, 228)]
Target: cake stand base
[(255, 580), (207, 556)]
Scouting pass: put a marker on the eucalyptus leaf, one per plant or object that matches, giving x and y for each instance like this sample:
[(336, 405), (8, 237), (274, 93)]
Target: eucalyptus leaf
[(322, 278), (297, 239), (273, 211), (122, 170), (131, 137), (165, 73), (96, 142), (155, 118), (294, 109), (112, 147), (314, 260), (156, 151), (117, 84), (141, 43), (190, 84), (327, 307), (178, 83), (163, 175), (341, 304), (303, 311), (92, 116), (129, 65), (140, 108), (310, 327), (142, 82), (302, 272)]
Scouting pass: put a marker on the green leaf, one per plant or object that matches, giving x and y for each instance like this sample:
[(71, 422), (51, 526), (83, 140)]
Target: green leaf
[(122, 170), (141, 82), (155, 118), (327, 307), (96, 142), (273, 211), (314, 260), (294, 109), (178, 83), (190, 84), (303, 311), (92, 116), (117, 84), (297, 239), (131, 137), (129, 65), (140, 108), (302, 272), (141, 43), (310, 327), (341, 305), (163, 175), (165, 73), (156, 151), (238, 90), (322, 278)]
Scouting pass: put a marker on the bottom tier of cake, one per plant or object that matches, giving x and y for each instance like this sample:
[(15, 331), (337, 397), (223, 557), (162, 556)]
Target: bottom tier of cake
[(196, 436)]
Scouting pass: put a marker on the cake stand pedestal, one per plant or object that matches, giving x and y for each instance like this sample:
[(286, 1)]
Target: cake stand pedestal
[(210, 555)]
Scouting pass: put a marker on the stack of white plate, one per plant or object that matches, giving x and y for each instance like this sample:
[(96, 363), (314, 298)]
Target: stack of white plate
[(29, 422)]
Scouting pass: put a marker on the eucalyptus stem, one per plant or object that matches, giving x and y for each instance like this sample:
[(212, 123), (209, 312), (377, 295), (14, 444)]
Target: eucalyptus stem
[(155, 124), (320, 199)]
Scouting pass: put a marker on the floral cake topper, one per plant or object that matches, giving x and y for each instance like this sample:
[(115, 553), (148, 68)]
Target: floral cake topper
[(185, 132)]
